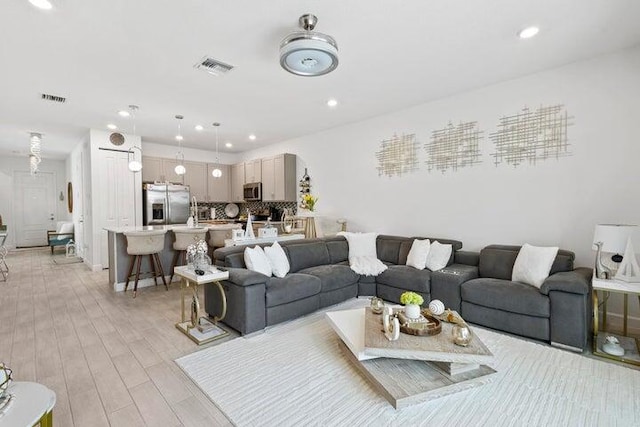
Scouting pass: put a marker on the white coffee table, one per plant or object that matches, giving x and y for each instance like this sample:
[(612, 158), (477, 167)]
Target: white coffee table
[(441, 372)]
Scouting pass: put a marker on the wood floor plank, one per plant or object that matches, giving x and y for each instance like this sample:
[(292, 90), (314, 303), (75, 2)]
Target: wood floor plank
[(87, 410), (170, 386), (152, 406), (131, 372), (113, 392), (126, 417)]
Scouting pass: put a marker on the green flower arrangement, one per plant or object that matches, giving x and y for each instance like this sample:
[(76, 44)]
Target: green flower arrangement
[(411, 298), (308, 202)]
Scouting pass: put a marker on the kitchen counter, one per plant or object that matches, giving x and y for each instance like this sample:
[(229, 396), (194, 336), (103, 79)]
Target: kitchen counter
[(259, 240)]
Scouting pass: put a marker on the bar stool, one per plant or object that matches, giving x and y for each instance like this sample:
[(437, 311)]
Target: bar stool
[(185, 236), (139, 244), (219, 233)]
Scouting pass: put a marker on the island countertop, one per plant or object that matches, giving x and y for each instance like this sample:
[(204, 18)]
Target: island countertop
[(163, 227)]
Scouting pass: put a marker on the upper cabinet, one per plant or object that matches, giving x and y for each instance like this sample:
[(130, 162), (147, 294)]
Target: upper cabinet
[(218, 189), (279, 178), (152, 169), (237, 182), (253, 171), (196, 179)]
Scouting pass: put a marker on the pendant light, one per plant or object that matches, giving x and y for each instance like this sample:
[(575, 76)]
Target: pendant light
[(135, 165), (216, 173), (180, 169)]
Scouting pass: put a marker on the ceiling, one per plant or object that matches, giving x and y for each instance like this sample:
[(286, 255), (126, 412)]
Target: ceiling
[(106, 54)]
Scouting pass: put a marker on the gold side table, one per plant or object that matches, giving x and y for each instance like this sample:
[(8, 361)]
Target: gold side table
[(199, 328), (630, 344)]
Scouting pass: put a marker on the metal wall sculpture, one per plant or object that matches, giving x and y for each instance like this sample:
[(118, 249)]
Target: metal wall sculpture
[(398, 155), (532, 136), (453, 147)]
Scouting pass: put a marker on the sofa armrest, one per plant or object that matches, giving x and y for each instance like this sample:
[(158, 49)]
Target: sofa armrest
[(445, 283), (577, 281), (244, 277), (467, 258)]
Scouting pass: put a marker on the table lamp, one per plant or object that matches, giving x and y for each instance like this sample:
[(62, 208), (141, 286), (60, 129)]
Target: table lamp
[(616, 239)]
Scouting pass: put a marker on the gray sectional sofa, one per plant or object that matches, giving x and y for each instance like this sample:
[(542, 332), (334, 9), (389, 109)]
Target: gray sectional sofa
[(476, 285)]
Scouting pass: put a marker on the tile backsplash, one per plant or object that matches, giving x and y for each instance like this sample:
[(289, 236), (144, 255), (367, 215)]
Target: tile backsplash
[(253, 206)]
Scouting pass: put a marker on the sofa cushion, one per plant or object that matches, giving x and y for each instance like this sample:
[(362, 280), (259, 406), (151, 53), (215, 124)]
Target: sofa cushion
[(497, 261), (533, 264), (305, 255), (292, 287), (506, 295), (388, 248), (338, 250), (332, 276), (407, 278)]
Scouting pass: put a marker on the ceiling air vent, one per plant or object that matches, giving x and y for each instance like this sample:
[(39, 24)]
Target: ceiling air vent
[(213, 66), (53, 98)]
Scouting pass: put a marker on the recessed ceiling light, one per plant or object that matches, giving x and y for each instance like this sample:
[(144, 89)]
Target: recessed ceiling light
[(42, 4), (179, 137), (332, 103), (228, 145), (124, 113), (252, 137), (112, 126), (199, 128), (528, 32)]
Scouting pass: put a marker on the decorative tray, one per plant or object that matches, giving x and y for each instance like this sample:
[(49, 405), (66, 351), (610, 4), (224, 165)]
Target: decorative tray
[(425, 325)]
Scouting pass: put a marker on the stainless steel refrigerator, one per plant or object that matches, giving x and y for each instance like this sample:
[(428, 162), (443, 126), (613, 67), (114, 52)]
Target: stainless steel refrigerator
[(165, 204)]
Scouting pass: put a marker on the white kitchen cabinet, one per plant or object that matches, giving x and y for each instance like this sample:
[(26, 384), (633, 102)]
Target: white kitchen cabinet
[(237, 182), (279, 178), (152, 169), (169, 172), (253, 171), (196, 179), (218, 189)]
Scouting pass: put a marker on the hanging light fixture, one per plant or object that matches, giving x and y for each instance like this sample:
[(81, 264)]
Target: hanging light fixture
[(216, 173), (180, 169), (34, 152), (135, 165)]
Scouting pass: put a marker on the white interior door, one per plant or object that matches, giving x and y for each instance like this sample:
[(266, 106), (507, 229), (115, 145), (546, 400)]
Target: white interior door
[(35, 204)]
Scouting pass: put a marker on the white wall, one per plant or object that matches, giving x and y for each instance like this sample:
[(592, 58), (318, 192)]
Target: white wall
[(556, 202), (9, 165), (153, 149)]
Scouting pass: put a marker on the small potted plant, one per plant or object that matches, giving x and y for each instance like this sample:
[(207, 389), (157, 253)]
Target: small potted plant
[(412, 302)]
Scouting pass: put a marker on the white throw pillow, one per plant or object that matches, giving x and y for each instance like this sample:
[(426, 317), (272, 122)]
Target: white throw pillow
[(278, 259), (256, 260), (361, 244), (533, 264), (65, 227), (417, 257), (438, 256)]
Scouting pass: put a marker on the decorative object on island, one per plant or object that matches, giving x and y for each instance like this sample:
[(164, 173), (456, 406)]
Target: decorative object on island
[(180, 169), (377, 305), (35, 150), (461, 334), (308, 53), (135, 165), (436, 307), (616, 239), (412, 302), (308, 202), (216, 173)]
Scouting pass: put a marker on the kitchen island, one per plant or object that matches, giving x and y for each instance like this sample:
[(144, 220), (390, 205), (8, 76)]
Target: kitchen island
[(119, 259)]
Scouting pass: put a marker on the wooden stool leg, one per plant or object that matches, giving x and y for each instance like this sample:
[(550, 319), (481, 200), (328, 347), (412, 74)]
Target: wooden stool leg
[(132, 260), (135, 285), (161, 271), (176, 255), (153, 269)]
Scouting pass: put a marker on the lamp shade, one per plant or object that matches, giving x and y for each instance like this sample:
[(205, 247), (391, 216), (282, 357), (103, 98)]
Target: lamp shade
[(614, 236)]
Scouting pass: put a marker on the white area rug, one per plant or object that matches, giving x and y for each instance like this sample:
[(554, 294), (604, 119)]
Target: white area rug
[(295, 374)]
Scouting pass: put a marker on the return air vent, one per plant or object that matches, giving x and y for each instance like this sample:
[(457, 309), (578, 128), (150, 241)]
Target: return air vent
[(53, 98), (213, 66)]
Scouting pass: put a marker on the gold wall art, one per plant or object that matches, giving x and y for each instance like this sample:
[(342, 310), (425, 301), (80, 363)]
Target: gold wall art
[(398, 155), (453, 147), (532, 136)]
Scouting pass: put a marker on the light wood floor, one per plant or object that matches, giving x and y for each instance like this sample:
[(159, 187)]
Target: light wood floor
[(108, 357)]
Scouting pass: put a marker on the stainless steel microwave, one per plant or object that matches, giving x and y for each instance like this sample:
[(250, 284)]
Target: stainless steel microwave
[(252, 191)]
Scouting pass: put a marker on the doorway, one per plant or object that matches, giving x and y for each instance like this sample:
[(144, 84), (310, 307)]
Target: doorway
[(35, 207)]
